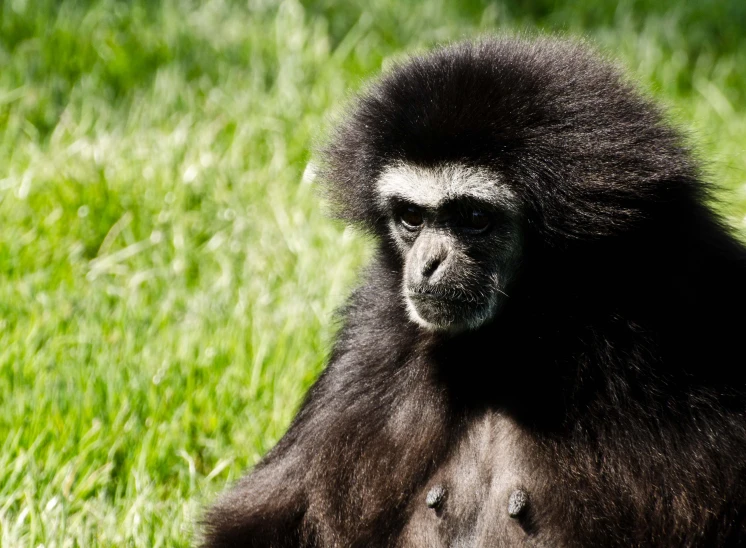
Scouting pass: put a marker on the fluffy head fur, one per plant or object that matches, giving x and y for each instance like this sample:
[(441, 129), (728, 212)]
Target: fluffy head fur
[(584, 152)]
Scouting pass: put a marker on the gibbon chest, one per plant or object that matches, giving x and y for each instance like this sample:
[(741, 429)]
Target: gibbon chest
[(488, 492)]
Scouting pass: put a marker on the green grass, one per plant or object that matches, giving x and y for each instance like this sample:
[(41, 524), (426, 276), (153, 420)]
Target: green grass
[(167, 276)]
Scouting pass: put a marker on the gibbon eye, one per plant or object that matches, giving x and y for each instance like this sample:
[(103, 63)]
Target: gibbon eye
[(477, 220), (411, 217)]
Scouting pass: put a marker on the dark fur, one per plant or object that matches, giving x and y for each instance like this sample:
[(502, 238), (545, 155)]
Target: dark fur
[(611, 385)]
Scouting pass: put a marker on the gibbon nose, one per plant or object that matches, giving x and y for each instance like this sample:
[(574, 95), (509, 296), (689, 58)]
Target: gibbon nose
[(432, 259)]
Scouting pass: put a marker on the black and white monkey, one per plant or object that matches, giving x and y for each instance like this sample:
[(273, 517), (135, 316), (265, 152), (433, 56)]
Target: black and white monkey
[(548, 349)]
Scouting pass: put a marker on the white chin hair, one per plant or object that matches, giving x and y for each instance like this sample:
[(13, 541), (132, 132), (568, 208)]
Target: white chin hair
[(419, 320), (471, 323)]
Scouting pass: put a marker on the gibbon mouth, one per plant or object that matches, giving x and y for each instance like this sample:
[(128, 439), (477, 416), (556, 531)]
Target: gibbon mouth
[(431, 296), (427, 296)]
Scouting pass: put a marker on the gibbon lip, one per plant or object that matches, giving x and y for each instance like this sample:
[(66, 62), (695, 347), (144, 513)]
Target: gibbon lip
[(433, 296), (428, 296), (425, 294)]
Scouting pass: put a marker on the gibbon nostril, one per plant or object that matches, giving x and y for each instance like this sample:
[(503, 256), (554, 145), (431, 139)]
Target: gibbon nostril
[(431, 266)]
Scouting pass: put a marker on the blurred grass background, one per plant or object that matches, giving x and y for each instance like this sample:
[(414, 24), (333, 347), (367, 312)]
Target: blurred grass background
[(167, 276)]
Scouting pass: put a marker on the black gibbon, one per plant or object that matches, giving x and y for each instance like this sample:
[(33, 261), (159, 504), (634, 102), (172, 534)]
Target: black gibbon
[(549, 346)]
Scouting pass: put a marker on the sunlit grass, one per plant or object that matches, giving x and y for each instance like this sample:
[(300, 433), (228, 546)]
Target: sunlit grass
[(167, 275)]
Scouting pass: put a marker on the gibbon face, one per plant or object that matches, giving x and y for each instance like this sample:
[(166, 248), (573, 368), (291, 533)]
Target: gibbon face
[(458, 232)]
